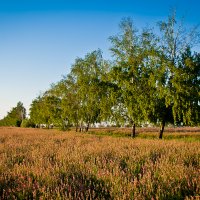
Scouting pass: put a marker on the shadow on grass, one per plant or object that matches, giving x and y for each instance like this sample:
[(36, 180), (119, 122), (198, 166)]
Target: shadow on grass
[(82, 186), (70, 184)]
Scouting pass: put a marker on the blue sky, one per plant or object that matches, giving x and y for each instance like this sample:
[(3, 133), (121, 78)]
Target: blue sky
[(40, 39)]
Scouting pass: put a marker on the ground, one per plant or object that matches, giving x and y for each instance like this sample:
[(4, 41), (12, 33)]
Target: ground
[(51, 164)]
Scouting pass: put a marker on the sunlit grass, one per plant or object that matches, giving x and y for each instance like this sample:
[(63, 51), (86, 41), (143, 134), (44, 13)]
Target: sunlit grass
[(49, 164), (186, 134)]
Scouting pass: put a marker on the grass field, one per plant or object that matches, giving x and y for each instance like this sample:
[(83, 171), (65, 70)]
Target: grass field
[(50, 164)]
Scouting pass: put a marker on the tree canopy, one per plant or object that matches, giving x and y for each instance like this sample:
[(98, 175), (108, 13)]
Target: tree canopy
[(154, 77), (15, 116)]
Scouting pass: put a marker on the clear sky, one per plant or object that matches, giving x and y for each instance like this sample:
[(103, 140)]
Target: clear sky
[(40, 39)]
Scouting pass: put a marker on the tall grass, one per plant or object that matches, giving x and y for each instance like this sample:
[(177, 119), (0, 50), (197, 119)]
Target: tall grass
[(41, 164)]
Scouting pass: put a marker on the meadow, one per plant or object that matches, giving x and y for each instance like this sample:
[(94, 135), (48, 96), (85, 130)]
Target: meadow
[(51, 164)]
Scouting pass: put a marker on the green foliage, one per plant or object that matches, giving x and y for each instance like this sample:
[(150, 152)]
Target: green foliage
[(27, 123), (15, 116), (176, 83), (77, 98), (187, 84), (88, 74), (45, 110), (153, 78), (132, 71)]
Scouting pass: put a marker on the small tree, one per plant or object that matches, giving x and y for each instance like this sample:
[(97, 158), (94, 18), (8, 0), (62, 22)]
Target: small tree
[(15, 116)]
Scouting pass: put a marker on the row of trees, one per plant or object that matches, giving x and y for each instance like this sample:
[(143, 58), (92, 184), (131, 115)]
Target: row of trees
[(152, 78)]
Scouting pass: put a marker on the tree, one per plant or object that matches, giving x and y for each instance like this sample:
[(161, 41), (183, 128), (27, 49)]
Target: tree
[(36, 111), (174, 42), (45, 110), (147, 70), (186, 82), (15, 116), (87, 75), (131, 72), (82, 93), (66, 90)]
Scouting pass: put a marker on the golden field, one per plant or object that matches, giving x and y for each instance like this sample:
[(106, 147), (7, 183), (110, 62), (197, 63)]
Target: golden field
[(50, 164)]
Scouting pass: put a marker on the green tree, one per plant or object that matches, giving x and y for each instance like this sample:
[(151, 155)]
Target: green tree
[(133, 52), (36, 111), (46, 110), (66, 90), (186, 82), (87, 74), (174, 41), (15, 116)]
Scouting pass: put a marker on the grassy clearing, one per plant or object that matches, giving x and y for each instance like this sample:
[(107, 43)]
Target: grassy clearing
[(185, 134), (49, 164)]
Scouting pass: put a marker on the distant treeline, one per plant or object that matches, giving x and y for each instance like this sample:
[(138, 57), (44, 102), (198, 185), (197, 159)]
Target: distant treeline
[(153, 78), (15, 116)]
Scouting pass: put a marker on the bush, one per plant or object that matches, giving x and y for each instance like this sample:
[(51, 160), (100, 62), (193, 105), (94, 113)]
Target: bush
[(27, 123)]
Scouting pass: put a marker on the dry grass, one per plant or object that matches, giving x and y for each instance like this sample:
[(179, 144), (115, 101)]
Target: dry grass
[(49, 164)]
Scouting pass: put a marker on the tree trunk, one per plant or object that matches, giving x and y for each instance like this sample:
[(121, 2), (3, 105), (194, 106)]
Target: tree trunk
[(81, 126), (77, 127), (87, 127), (162, 129), (133, 130)]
